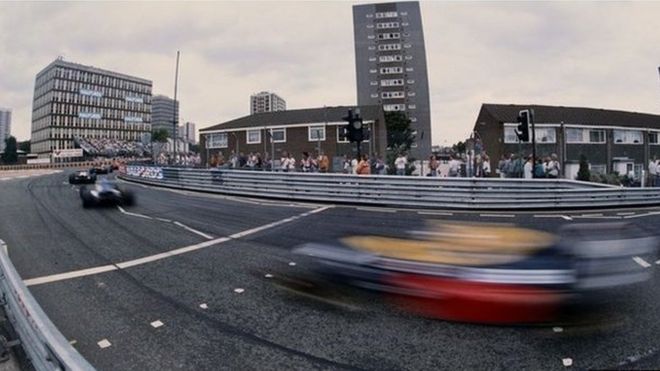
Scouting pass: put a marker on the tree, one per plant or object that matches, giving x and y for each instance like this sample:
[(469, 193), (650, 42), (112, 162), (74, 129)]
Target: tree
[(158, 139), (10, 156), (24, 146), (400, 138), (583, 173), (458, 147)]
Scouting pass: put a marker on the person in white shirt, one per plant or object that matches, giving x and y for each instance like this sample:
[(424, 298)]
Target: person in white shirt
[(653, 172), (454, 167), (485, 166), (400, 164), (284, 162), (528, 168)]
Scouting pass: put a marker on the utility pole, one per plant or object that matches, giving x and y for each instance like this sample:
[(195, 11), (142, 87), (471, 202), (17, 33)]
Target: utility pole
[(174, 116)]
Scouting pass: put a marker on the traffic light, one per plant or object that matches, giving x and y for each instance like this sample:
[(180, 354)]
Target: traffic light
[(354, 130), (524, 119)]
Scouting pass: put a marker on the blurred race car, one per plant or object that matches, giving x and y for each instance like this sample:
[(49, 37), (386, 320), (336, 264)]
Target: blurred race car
[(82, 177), (106, 193), (489, 273), (103, 169)]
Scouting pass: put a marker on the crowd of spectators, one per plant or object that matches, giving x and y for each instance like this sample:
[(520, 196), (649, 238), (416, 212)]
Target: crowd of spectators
[(112, 147), (186, 159)]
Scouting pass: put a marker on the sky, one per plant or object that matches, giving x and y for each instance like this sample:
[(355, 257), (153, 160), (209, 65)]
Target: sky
[(590, 54)]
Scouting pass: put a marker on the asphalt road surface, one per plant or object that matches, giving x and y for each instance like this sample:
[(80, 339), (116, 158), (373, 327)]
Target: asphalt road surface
[(189, 281)]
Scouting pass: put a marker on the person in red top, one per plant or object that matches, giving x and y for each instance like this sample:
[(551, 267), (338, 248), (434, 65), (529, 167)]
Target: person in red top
[(363, 167)]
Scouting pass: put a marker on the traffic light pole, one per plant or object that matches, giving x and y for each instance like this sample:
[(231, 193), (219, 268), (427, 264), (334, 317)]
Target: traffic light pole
[(533, 134), (359, 155)]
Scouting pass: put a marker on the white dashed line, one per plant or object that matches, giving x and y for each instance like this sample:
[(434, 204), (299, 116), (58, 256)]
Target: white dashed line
[(293, 264), (239, 290), (568, 362), (497, 215), (642, 215), (104, 343), (641, 262), (378, 210), (630, 213), (566, 217), (434, 213), (557, 329), (156, 324), (164, 255), (268, 275), (591, 215), (133, 214), (207, 236), (164, 220), (73, 342), (204, 306)]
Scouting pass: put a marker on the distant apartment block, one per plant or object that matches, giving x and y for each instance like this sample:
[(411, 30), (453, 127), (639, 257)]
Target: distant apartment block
[(73, 100), (164, 113), (187, 133), (390, 64), (266, 102), (5, 126)]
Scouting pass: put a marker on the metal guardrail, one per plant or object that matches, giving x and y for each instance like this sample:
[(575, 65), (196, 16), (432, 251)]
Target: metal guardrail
[(399, 191), (58, 165), (43, 343)]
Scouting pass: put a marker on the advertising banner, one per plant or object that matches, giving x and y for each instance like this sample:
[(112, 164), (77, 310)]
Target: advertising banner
[(149, 172), (67, 153)]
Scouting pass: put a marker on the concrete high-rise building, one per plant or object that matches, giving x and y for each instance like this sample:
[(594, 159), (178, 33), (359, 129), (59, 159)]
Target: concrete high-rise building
[(164, 113), (390, 64), (5, 126), (266, 102), (187, 133), (76, 101)]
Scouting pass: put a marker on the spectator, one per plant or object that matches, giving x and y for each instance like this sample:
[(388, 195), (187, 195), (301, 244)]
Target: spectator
[(400, 164), (653, 171), (347, 165), (284, 162), (553, 167), (539, 169), (380, 166), (528, 169), (291, 163), (501, 167), (306, 163), (454, 167), (324, 163), (486, 165), (433, 166), (363, 167)]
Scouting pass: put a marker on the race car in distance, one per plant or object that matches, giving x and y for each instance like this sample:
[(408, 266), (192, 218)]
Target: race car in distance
[(82, 177), (106, 193), (102, 169)]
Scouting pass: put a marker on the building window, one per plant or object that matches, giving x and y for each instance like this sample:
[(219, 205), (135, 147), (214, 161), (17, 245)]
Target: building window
[(384, 25), (394, 107), (653, 137), (385, 47), (577, 135), (598, 169), (340, 128), (386, 14), (316, 133), (389, 36), (392, 94), (391, 82), (216, 140), (628, 137), (278, 135), (389, 58), (375, 95), (253, 136), (545, 135), (510, 135), (391, 70), (374, 83), (412, 106)]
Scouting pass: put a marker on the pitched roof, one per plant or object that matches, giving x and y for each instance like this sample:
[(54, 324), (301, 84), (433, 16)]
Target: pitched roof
[(573, 115), (298, 116)]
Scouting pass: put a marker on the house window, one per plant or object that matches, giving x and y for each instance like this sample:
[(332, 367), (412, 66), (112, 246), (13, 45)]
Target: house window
[(577, 135), (253, 136), (628, 137), (545, 135), (216, 140), (598, 169), (341, 139), (316, 133), (653, 137), (278, 135), (510, 135)]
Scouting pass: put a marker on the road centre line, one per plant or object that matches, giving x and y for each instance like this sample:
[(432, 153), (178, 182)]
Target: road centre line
[(650, 213), (641, 262), (164, 255), (565, 217), (497, 215), (434, 213), (379, 210)]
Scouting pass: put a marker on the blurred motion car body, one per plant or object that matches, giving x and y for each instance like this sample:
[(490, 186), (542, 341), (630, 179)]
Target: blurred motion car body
[(489, 273), (106, 193), (82, 177)]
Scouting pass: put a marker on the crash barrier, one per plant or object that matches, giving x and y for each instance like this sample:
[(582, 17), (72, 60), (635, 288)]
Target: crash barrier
[(58, 165), (44, 344), (398, 191)]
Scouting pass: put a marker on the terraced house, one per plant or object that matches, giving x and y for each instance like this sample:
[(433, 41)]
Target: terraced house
[(612, 141)]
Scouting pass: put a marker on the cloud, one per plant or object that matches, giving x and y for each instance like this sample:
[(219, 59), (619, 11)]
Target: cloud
[(582, 54)]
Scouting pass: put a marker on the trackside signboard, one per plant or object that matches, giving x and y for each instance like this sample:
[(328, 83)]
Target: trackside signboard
[(67, 153), (145, 172)]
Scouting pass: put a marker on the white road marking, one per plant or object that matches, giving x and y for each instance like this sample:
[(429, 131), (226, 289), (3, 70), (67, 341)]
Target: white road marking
[(133, 214), (293, 264), (378, 210), (568, 362), (629, 213), (657, 262), (156, 324), (566, 217), (590, 215), (239, 290), (557, 329), (204, 306), (598, 217), (642, 215), (4, 247), (164, 255), (641, 262), (164, 220), (104, 343), (22, 176), (268, 275), (73, 342), (434, 213), (497, 215), (207, 236)]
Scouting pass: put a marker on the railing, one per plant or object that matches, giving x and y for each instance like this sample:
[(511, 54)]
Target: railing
[(57, 165), (399, 191), (44, 344)]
